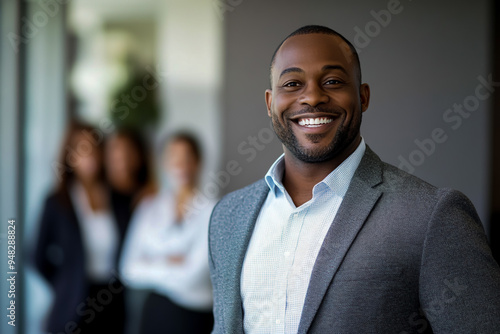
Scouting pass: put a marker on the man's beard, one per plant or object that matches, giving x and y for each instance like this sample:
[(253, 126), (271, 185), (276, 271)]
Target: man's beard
[(345, 135)]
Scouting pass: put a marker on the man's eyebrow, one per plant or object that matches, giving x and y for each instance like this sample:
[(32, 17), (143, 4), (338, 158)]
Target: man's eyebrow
[(334, 67), (290, 70)]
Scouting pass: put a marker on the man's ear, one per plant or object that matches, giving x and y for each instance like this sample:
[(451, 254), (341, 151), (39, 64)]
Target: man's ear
[(364, 94), (269, 101)]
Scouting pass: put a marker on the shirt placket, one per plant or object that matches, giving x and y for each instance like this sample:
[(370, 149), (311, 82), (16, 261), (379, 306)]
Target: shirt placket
[(286, 255)]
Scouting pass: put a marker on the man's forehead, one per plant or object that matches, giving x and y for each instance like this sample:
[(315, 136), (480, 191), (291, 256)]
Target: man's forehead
[(313, 47)]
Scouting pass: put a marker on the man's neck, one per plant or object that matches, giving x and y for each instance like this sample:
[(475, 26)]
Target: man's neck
[(299, 177)]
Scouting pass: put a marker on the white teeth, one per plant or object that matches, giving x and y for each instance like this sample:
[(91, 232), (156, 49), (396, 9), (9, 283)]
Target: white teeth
[(314, 121)]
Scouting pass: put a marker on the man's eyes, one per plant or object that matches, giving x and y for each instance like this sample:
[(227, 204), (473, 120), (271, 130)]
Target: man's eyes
[(291, 84), (333, 82), (297, 84)]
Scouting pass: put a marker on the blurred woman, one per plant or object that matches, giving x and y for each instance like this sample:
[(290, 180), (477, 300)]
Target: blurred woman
[(166, 249), (79, 241), (127, 165), (128, 173)]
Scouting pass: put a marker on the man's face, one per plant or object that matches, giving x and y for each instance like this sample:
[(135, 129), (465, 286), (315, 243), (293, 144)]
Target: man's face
[(316, 100)]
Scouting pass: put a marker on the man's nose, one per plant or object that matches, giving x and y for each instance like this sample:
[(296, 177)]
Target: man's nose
[(313, 95)]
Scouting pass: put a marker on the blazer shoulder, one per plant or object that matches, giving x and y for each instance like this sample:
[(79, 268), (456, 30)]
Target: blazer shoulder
[(56, 200), (388, 178), (237, 203), (402, 187), (399, 187), (237, 197), (53, 199), (395, 180)]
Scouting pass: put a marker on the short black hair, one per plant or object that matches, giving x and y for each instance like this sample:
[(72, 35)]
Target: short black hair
[(317, 29)]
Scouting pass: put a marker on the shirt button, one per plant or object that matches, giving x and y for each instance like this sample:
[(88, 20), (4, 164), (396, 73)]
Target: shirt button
[(287, 254), (278, 321)]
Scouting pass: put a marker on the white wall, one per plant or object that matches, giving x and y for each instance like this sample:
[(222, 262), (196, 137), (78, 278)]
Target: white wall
[(418, 65), (190, 54)]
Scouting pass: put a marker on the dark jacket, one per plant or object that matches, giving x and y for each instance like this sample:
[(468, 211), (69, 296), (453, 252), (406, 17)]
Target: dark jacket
[(60, 258)]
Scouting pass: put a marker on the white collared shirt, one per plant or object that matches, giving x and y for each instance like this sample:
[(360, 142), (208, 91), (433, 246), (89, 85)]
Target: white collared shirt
[(100, 236), (154, 237), (284, 246)]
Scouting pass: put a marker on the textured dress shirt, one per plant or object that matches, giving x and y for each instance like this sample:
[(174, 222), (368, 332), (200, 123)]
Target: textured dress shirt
[(284, 246)]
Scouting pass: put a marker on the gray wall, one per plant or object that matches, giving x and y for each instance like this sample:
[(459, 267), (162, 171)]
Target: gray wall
[(44, 125), (421, 63)]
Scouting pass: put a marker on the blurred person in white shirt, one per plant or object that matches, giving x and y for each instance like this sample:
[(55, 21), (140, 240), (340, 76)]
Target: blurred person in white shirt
[(166, 249)]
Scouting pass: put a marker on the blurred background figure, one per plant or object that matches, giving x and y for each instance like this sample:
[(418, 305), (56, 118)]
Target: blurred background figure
[(166, 247), (128, 171), (79, 241)]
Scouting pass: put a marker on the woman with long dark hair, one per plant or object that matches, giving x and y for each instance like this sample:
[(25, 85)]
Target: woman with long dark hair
[(128, 171), (80, 239)]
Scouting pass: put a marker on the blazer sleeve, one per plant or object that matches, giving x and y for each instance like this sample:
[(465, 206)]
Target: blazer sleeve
[(45, 241), (459, 278)]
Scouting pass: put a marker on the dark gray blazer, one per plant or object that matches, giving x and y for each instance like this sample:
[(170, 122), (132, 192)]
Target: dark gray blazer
[(401, 256)]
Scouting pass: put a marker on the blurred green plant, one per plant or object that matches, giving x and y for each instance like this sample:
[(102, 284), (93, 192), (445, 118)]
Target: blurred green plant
[(135, 106)]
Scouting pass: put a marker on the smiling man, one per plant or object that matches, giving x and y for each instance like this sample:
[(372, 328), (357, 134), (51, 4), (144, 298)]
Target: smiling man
[(333, 240)]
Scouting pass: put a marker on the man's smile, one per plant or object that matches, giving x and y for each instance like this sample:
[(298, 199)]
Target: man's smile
[(314, 122)]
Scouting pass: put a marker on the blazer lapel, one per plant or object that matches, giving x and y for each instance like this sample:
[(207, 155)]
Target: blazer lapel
[(243, 218), (355, 208)]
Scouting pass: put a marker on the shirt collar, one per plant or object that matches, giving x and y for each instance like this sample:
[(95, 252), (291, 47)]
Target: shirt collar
[(338, 180)]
